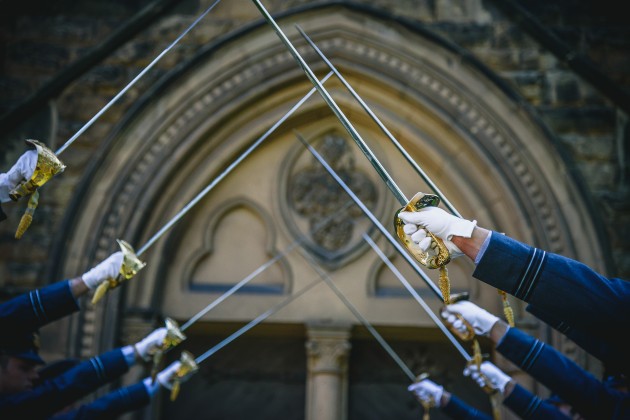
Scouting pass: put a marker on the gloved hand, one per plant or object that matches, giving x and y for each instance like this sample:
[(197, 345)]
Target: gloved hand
[(167, 376), (439, 222), (427, 391), (108, 268), (480, 319), (151, 343), (490, 376), (22, 170)]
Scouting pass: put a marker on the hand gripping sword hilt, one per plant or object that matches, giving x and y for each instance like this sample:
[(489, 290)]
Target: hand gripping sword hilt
[(188, 367), (493, 393), (47, 166), (467, 335), (130, 267), (437, 256), (173, 337), (426, 405)]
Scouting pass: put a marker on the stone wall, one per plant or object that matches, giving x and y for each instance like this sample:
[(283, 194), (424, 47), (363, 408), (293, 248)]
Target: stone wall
[(36, 48)]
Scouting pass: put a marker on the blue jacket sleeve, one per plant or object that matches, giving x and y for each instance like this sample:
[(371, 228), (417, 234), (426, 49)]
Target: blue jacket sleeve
[(528, 406), (458, 409), (111, 405), (562, 287), (55, 394), (564, 377), (37, 308), (612, 351)]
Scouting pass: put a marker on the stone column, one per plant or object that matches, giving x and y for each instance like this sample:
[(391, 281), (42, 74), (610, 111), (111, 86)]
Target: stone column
[(327, 352)]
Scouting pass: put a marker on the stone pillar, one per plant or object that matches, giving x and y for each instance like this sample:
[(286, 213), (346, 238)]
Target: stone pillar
[(327, 352)]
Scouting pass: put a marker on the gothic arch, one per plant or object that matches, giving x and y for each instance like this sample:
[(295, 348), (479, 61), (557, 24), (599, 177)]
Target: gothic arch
[(486, 151)]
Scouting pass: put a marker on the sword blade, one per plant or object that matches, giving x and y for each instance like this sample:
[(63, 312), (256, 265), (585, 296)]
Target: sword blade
[(403, 252), (417, 297), (378, 122), (133, 82), (260, 318), (380, 169), (361, 318), (259, 270), (227, 170)]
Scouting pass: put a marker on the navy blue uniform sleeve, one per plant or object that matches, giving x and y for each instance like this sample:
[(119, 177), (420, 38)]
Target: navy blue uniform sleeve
[(612, 351), (111, 405), (55, 394), (564, 377), (562, 287), (458, 409), (32, 310), (528, 406)]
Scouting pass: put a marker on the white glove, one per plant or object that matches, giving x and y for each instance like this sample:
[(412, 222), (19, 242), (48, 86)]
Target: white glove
[(22, 170), (439, 222), (494, 377), (480, 319), (108, 268), (151, 343), (427, 391), (166, 376)]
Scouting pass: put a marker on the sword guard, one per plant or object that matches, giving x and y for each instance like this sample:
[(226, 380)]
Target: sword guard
[(476, 360), (437, 255), (47, 166), (426, 405), (469, 334), (188, 367), (130, 267), (173, 337)]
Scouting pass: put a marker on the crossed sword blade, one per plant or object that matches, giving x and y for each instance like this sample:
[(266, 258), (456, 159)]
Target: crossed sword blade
[(378, 122), (396, 244)]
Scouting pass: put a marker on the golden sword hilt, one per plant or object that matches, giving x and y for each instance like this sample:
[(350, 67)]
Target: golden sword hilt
[(130, 266), (47, 166), (188, 367), (426, 405), (467, 335), (476, 360), (173, 337), (492, 392), (437, 256)]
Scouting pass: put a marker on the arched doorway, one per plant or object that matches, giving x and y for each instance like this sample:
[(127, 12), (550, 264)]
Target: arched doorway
[(487, 154)]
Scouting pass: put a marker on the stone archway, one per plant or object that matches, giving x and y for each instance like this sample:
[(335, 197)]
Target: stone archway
[(488, 155)]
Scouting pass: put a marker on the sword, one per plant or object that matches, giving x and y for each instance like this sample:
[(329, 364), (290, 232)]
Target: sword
[(507, 309), (175, 334), (438, 255), (477, 357), (48, 163), (133, 264), (133, 82)]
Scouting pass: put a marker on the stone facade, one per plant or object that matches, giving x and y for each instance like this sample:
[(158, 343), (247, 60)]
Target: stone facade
[(588, 133)]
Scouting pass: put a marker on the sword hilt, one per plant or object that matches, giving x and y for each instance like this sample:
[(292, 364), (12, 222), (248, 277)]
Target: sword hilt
[(437, 255), (130, 267), (187, 368), (426, 405), (173, 337)]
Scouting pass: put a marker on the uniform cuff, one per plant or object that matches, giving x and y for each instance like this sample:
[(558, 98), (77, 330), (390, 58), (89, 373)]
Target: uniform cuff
[(130, 355), (151, 386)]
